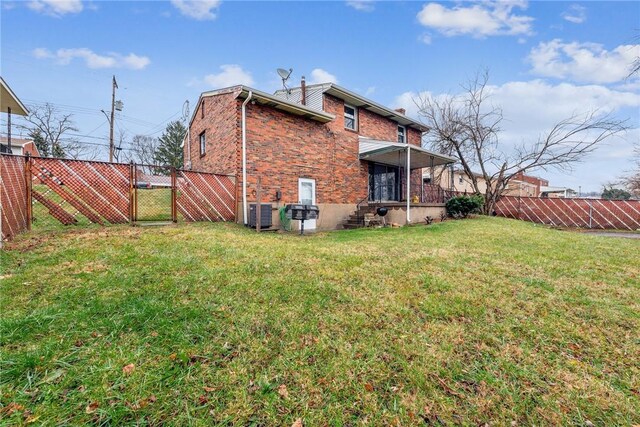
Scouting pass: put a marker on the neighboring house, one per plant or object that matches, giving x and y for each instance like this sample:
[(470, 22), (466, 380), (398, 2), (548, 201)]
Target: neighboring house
[(317, 144), (20, 146), (454, 179), (520, 185), (12, 105), (146, 180), (525, 186), (557, 192)]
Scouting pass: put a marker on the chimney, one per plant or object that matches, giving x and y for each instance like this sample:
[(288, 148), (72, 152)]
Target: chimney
[(401, 111), (303, 89)]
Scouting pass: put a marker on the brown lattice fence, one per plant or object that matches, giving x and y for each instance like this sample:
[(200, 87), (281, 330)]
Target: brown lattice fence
[(46, 191), (14, 208), (573, 213)]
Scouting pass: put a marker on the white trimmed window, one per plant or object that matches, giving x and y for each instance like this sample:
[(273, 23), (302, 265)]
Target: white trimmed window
[(350, 117), (402, 134), (203, 144)]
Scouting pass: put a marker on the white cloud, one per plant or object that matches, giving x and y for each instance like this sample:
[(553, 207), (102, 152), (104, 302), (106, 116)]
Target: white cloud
[(478, 20), (318, 75), (230, 75), (583, 62), (361, 5), (94, 60), (201, 10), (56, 8), (531, 108), (576, 14), (425, 38)]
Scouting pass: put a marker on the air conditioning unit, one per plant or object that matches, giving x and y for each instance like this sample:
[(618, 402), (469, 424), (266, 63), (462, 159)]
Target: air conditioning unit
[(265, 215)]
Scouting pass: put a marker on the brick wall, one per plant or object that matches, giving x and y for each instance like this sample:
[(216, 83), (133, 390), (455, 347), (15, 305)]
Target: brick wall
[(221, 124), (282, 147), (374, 126)]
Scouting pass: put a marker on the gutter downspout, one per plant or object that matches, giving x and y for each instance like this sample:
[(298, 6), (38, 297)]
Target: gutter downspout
[(244, 158), (408, 173), (189, 148)]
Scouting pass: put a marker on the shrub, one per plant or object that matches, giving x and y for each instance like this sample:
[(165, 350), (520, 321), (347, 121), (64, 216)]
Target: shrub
[(462, 206)]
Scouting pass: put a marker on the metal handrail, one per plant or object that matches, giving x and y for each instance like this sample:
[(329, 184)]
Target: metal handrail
[(358, 208)]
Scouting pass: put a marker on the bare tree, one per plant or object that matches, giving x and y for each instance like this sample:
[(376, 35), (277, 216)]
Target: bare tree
[(467, 127), (53, 129), (118, 153), (142, 150), (634, 69), (632, 180)]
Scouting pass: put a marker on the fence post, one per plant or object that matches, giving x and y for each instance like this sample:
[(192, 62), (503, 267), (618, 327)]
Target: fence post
[(174, 209), (28, 183), (132, 177), (590, 214), (519, 207)]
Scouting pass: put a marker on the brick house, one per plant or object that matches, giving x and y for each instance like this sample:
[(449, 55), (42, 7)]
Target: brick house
[(319, 144), (20, 146)]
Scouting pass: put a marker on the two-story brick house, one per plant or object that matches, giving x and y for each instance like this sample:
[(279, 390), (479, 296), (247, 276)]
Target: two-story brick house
[(319, 144)]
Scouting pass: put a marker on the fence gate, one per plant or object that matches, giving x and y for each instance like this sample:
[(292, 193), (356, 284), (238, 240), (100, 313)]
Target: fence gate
[(153, 194)]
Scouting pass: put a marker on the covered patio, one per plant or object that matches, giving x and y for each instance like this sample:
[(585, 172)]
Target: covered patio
[(390, 169)]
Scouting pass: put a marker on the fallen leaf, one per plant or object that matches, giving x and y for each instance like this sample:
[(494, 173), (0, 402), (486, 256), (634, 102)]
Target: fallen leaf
[(368, 387), (152, 398), (297, 423), (283, 392), (154, 334), (173, 356), (128, 369), (209, 389), (32, 419), (92, 407), (203, 400), (11, 408)]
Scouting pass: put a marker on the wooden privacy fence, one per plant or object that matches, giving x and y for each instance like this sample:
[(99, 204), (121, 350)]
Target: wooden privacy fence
[(573, 213), (91, 192)]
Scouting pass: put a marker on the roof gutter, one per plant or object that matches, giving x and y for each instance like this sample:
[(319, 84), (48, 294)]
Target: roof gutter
[(244, 157)]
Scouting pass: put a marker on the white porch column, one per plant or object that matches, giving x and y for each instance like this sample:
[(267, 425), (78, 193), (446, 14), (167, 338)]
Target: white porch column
[(408, 178)]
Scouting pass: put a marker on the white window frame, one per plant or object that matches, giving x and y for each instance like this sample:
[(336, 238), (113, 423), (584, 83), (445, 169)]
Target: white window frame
[(404, 134), (355, 117), (203, 147)]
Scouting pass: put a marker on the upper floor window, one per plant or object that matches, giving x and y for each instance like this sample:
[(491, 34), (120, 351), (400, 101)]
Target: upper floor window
[(350, 120), (202, 110), (402, 137), (203, 144)]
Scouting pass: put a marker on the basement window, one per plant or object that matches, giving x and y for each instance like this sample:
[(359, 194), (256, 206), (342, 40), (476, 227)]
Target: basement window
[(203, 144), (402, 134), (350, 121)]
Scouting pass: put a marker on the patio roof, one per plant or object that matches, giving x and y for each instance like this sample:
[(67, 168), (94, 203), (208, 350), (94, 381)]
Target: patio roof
[(8, 99), (395, 154)]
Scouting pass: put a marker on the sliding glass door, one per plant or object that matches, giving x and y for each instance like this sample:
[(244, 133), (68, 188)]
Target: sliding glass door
[(384, 183)]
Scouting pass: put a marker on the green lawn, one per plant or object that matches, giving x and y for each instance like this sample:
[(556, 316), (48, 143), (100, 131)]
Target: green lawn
[(462, 322)]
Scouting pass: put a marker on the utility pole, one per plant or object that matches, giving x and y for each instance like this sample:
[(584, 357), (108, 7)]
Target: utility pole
[(114, 86)]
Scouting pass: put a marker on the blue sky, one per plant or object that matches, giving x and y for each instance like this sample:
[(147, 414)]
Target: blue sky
[(546, 59)]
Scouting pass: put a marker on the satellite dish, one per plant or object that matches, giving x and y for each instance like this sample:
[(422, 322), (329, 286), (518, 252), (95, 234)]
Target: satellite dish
[(285, 74)]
